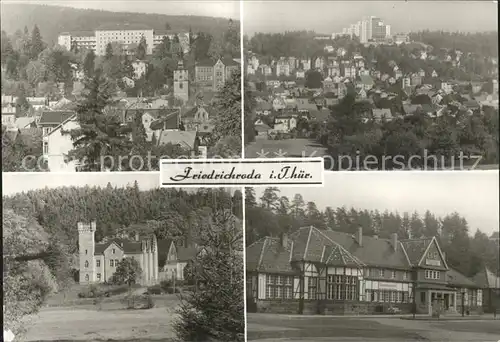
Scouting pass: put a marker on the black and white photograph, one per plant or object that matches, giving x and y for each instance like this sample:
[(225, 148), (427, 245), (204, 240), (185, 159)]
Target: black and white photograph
[(375, 256), (117, 85), (373, 85), (114, 257)]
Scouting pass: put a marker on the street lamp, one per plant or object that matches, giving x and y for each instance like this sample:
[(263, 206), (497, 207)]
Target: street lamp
[(463, 301)]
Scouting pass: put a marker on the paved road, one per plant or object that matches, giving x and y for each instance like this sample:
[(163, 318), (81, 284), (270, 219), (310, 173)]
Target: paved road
[(264, 327), (284, 148)]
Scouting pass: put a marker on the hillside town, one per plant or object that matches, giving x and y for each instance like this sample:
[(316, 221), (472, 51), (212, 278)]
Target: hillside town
[(164, 83), (375, 76)]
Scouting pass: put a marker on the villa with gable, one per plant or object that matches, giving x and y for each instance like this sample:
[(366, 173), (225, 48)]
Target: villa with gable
[(316, 271)]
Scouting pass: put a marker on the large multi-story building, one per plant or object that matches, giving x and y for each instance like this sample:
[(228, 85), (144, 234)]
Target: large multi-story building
[(128, 36), (214, 75), (328, 272)]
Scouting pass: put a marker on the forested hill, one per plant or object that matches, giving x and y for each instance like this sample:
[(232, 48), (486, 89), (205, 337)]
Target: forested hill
[(168, 212), (52, 20)]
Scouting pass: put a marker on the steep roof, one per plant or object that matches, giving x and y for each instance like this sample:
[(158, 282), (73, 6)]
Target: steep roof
[(55, 117), (415, 248), (268, 255), (457, 279), (126, 245), (183, 138), (487, 279)]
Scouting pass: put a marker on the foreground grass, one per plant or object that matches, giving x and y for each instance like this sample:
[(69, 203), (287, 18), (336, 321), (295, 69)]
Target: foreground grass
[(108, 322)]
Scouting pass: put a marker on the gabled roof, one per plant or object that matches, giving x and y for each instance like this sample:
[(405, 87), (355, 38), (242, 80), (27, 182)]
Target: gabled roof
[(457, 279), (126, 245), (55, 117), (183, 138), (487, 279), (268, 255), (415, 248)]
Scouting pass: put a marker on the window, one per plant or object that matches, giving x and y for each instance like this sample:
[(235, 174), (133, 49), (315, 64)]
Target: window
[(405, 275), (342, 287), (312, 287), (98, 276), (381, 273), (86, 263), (116, 262), (435, 275), (87, 277), (393, 274), (111, 263), (86, 251), (45, 147), (279, 287), (98, 263), (181, 85), (422, 297), (114, 251)]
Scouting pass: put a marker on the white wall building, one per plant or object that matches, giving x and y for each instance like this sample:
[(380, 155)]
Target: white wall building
[(57, 145)]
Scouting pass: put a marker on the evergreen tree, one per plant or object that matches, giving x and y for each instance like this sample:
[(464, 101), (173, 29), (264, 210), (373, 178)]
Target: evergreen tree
[(37, 45), (99, 134), (215, 310), (89, 64), (142, 49), (109, 52)]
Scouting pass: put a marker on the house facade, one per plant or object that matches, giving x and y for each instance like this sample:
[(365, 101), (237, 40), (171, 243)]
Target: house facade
[(57, 144), (317, 271)]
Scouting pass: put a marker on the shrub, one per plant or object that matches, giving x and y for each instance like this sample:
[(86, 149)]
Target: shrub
[(155, 290), (165, 284)]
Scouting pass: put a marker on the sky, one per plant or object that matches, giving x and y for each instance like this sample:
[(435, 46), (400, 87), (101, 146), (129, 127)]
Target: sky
[(473, 194), (221, 9), (19, 182), (403, 16)]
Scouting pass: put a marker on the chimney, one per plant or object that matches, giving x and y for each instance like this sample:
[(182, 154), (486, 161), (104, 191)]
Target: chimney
[(394, 240), (359, 236), (136, 236), (284, 240)]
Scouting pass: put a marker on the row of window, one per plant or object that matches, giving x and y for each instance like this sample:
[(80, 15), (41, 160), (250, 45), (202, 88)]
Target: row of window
[(381, 273), (387, 296), (432, 275), (279, 287), (112, 263)]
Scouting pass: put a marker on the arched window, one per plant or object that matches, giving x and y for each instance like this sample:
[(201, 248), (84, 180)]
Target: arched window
[(86, 251), (86, 264), (87, 277)]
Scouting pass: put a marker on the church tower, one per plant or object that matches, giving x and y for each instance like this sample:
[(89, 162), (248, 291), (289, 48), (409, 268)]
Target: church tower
[(181, 82), (86, 248)]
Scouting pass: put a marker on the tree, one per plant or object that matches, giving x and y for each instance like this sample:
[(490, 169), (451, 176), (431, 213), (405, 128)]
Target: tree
[(313, 80), (99, 135), (128, 272), (228, 105), (250, 200), (89, 64), (142, 49), (33, 268), (37, 45), (270, 198), (215, 310), (109, 51)]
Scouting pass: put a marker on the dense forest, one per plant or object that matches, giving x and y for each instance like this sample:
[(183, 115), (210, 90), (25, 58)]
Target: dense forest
[(169, 213), (272, 214), (53, 20)]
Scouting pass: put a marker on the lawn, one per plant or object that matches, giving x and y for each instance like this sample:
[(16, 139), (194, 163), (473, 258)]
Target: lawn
[(74, 319)]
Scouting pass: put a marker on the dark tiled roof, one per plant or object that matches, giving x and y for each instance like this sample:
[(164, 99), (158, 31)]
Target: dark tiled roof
[(268, 255), (487, 279), (205, 63), (126, 245), (55, 117), (415, 248), (457, 279), (163, 247), (184, 139), (123, 26)]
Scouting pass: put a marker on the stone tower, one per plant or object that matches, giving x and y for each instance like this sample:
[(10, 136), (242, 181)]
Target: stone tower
[(181, 83), (86, 248)]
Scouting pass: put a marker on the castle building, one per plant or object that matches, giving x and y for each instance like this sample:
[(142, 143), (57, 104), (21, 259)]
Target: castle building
[(157, 258), (181, 83)]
